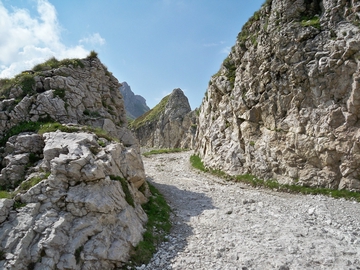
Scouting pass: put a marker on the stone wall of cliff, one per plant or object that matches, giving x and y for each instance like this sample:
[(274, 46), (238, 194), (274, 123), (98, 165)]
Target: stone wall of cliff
[(285, 103), (70, 168)]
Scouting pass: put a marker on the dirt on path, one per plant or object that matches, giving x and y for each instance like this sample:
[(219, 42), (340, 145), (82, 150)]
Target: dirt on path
[(225, 225)]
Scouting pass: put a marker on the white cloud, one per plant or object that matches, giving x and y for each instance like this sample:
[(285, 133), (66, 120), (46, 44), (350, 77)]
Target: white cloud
[(31, 40), (226, 50), (94, 39)]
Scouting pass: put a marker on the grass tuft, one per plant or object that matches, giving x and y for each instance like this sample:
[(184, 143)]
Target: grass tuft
[(314, 22), (5, 194)]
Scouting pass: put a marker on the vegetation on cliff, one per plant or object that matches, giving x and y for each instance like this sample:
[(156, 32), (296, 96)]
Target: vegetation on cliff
[(151, 115)]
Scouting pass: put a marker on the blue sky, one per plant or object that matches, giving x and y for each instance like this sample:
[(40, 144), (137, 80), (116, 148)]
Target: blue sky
[(153, 45)]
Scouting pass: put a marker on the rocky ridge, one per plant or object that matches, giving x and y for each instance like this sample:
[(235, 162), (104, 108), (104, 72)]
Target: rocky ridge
[(135, 105), (76, 202), (170, 124), (285, 103)]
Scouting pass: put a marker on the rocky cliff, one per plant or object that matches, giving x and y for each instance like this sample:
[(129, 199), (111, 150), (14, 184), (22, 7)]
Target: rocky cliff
[(170, 124), (135, 105), (285, 103), (70, 169)]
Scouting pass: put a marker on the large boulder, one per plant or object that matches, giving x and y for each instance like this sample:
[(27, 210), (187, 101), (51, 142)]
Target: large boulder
[(285, 103), (78, 215)]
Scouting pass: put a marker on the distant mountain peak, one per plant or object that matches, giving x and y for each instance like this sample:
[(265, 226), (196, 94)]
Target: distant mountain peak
[(135, 105)]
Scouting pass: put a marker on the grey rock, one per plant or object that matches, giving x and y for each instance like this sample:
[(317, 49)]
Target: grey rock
[(285, 103), (171, 124), (135, 105)]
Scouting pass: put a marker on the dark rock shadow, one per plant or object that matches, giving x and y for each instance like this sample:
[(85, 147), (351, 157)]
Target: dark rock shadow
[(185, 205)]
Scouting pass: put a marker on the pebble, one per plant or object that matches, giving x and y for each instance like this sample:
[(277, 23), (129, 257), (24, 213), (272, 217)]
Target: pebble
[(222, 225)]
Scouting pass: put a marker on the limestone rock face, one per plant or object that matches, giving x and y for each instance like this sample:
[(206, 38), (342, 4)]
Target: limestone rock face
[(85, 95), (76, 217), (285, 103), (75, 201), (170, 124), (135, 105)]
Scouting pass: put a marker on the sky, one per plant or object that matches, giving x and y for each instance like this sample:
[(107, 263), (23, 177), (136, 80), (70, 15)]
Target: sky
[(153, 45)]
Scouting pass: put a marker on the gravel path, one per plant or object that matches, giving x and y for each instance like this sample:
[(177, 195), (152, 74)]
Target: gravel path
[(225, 225)]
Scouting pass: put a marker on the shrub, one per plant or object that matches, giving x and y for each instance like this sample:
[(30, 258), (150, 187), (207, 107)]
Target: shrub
[(93, 54)]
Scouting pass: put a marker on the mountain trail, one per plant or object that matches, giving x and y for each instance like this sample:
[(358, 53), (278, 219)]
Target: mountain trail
[(225, 225)]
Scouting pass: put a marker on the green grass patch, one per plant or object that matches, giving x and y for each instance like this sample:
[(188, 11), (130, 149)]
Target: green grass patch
[(40, 127), (314, 22), (54, 63), (151, 115), (21, 127), (5, 194), (163, 151), (125, 186), (158, 225), (253, 181), (26, 185), (197, 163)]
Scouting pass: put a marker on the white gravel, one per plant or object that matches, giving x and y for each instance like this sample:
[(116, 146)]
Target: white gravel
[(225, 225)]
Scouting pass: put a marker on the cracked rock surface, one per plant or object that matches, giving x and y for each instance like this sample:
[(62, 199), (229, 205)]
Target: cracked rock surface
[(226, 225), (77, 216)]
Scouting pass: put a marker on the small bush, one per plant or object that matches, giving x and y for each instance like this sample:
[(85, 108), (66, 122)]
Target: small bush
[(93, 54)]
